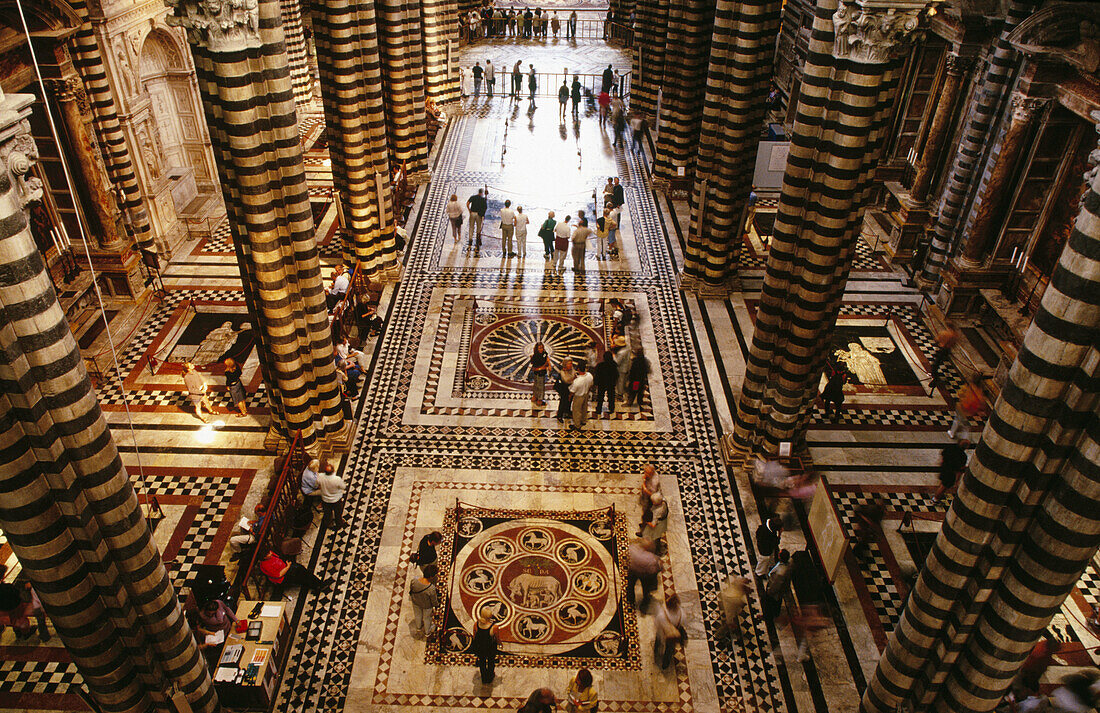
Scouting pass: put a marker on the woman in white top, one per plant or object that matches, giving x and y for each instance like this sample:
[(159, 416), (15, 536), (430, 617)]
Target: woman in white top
[(521, 231), (454, 214)]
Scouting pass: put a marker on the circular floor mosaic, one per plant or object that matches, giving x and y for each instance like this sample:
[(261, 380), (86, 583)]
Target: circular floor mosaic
[(550, 584), (501, 346)]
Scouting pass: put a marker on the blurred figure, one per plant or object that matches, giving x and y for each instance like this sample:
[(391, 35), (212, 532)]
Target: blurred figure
[(733, 598), (669, 625)]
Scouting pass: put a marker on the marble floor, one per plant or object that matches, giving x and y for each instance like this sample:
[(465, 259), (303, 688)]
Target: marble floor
[(447, 439)]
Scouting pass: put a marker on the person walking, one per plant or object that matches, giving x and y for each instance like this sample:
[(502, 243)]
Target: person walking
[(424, 596), (618, 194), (637, 379), (477, 205), (566, 375), (670, 633), (575, 95), (601, 234), (580, 696), (579, 240), (775, 587), (532, 81), (945, 341), (540, 367), (521, 220), (971, 404), (638, 129), (580, 389), (507, 230), (517, 79), (197, 391), (952, 464), (485, 644), (541, 700), (331, 487), (612, 231), (768, 535), (477, 73), (655, 520), (651, 483), (606, 376), (604, 102), (572, 31), (563, 98), (618, 124), (732, 598), (454, 215), (490, 78), (546, 232), (426, 550), (562, 233), (833, 393), (642, 565), (235, 387)]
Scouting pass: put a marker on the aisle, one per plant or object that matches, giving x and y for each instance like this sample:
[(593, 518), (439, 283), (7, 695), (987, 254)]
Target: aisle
[(447, 440)]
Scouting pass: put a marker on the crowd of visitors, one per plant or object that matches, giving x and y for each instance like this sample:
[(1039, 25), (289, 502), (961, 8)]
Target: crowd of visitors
[(521, 23)]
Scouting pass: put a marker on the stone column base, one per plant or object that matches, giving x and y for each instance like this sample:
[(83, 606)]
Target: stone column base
[(339, 442), (419, 178), (390, 273)]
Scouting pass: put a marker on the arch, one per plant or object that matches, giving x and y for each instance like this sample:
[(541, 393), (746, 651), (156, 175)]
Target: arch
[(1062, 31)]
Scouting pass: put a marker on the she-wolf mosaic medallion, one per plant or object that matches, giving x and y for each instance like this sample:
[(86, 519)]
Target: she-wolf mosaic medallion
[(553, 581)]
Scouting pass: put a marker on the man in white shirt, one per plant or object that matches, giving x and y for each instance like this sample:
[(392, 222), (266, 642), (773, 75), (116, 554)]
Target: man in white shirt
[(490, 77), (341, 280), (507, 229), (562, 232), (196, 390), (580, 388), (331, 487), (521, 231)]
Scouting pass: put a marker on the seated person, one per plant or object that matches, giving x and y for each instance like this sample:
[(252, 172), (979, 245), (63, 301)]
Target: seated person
[(340, 282), (367, 319), (292, 574), (19, 604), (214, 616)]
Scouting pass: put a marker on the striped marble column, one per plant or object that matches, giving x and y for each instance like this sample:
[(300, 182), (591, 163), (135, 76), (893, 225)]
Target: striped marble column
[(981, 111), (88, 61), (440, 22), (68, 509), (346, 36), (301, 78), (403, 85), (687, 49), (741, 56), (847, 95), (648, 68), (247, 94), (1026, 520)]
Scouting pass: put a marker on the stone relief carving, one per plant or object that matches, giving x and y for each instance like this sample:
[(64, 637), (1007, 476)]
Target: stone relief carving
[(19, 154), (218, 25), (1025, 109), (125, 69), (876, 35), (1094, 159)]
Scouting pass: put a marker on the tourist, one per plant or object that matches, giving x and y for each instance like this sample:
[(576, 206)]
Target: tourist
[(607, 80), (485, 644), (424, 596), (532, 81), (309, 486), (341, 280), (562, 234), (971, 404), (575, 95), (197, 391), (833, 393), (606, 376), (623, 354), (618, 122), (555, 24), (669, 628), (601, 234), (805, 620), (638, 129), (540, 367), (521, 221), (477, 205), (609, 190), (426, 550), (776, 585), (541, 700), (580, 389), (233, 383), (331, 487), (517, 79), (279, 571), (513, 15), (477, 73), (732, 598), (651, 483), (603, 100), (566, 375), (618, 194), (454, 214), (608, 19), (367, 320), (655, 520), (527, 17), (952, 464), (612, 221), (546, 232), (581, 696), (19, 603), (490, 78), (571, 30), (946, 339), (643, 566), (563, 98), (768, 535), (637, 378), (507, 230), (537, 23), (580, 240)]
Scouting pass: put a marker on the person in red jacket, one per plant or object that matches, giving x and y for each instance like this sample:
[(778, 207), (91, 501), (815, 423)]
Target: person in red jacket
[(292, 574)]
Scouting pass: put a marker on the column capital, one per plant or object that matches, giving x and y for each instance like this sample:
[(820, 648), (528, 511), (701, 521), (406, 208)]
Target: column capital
[(1025, 108), (18, 152), (957, 64), (874, 33), (218, 25), (1094, 158)]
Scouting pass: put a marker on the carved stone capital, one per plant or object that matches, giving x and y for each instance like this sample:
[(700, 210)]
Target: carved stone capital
[(65, 88), (18, 154), (1094, 158), (958, 65), (873, 35), (1025, 108), (218, 25)]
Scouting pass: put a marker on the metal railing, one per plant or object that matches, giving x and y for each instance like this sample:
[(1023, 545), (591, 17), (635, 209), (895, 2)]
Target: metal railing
[(548, 84), (496, 30)]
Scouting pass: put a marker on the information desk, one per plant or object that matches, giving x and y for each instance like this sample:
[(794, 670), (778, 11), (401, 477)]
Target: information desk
[(251, 661)]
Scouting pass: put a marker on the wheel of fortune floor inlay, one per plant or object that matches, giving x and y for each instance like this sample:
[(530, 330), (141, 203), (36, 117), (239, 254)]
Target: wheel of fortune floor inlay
[(503, 346), (553, 581)]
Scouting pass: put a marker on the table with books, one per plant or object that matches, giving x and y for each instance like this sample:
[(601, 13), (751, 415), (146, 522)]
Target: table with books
[(253, 655)]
